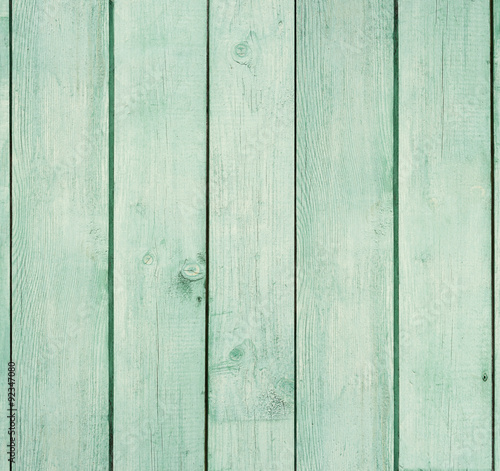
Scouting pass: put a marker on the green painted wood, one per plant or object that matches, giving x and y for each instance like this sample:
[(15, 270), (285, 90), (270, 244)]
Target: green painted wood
[(4, 216), (160, 234), (251, 238), (495, 23), (445, 235), (60, 227), (344, 235)]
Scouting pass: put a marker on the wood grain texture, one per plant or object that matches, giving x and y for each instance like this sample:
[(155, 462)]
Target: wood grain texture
[(60, 226), (496, 172), (251, 239), (4, 215), (344, 235), (160, 234), (445, 235)]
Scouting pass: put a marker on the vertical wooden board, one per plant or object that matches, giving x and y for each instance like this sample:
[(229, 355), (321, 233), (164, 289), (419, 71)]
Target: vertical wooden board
[(251, 238), (4, 217), (445, 235), (344, 235), (159, 234), (495, 24), (60, 232)]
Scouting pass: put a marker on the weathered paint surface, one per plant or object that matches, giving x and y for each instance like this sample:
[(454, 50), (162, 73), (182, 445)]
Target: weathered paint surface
[(445, 235), (159, 234), (289, 159), (345, 235), (251, 240), (4, 216), (60, 232)]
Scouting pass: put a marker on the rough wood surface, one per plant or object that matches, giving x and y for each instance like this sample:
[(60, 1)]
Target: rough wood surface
[(4, 219), (496, 173), (251, 240), (166, 82), (445, 235), (159, 234), (60, 228), (344, 235)]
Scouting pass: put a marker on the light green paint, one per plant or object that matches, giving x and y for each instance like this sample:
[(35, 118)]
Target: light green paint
[(60, 226), (445, 235), (160, 231), (159, 234), (4, 220), (345, 239), (496, 173), (344, 235), (251, 241)]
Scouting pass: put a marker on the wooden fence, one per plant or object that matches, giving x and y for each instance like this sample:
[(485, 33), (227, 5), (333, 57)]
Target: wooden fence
[(249, 234)]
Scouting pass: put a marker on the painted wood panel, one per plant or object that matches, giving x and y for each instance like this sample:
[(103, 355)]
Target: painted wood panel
[(155, 160), (159, 234), (344, 235), (4, 213), (251, 236), (445, 235), (60, 232), (495, 129)]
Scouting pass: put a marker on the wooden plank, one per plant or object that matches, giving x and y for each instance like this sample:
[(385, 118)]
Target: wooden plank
[(160, 234), (4, 216), (445, 235), (60, 228), (495, 50), (344, 235), (251, 239)]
